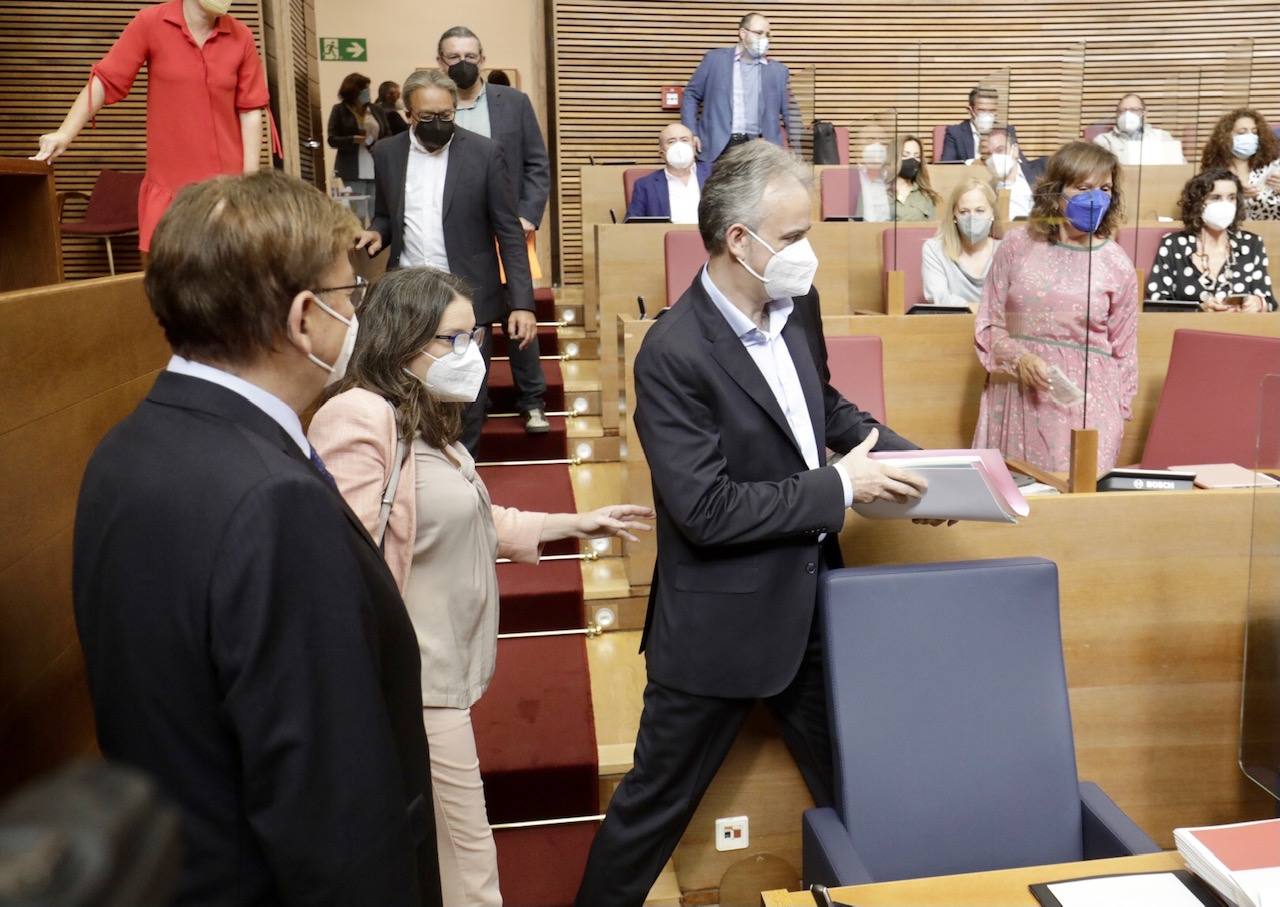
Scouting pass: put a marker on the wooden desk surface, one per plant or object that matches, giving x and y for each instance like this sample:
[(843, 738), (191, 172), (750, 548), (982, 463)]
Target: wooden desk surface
[(1001, 888)]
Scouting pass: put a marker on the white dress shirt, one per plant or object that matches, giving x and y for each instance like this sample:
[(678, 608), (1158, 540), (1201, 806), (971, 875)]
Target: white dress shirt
[(1020, 195), (1151, 146), (684, 197), (424, 207), (768, 350), (280, 412), (747, 74)]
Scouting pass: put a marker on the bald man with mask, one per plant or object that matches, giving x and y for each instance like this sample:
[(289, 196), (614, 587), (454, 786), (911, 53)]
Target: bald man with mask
[(675, 190)]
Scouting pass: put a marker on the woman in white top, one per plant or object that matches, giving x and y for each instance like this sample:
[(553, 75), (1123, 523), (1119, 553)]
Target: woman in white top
[(955, 263), (416, 365)]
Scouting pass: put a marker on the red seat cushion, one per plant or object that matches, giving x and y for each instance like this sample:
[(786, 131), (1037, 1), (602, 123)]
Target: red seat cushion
[(902, 250), (841, 189), (685, 255), (1210, 404), (1141, 244), (939, 140), (631, 176), (857, 371), (842, 145)]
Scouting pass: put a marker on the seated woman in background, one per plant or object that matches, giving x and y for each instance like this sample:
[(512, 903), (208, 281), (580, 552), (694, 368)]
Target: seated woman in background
[(1211, 260), (1243, 143), (916, 200), (416, 366), (1060, 292), (956, 261)]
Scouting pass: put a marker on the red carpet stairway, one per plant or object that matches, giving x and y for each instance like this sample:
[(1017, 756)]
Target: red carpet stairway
[(534, 726)]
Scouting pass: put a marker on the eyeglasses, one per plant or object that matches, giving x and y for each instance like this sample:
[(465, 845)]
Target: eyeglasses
[(463, 339), (358, 291), (758, 32), (443, 117), (458, 58)]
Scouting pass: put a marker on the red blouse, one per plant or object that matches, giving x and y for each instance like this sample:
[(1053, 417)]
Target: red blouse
[(194, 99)]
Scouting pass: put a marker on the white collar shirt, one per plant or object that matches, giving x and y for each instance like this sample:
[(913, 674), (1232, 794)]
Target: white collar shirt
[(280, 412), (684, 197), (768, 350), (424, 207), (1020, 195), (745, 113)]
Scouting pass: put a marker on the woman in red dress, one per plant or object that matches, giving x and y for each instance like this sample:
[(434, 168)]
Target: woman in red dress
[(205, 99)]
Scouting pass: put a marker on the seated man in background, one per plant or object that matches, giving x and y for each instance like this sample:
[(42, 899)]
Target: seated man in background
[(1211, 260), (245, 643), (673, 191), (963, 141), (734, 409), (444, 200), (737, 94), (1010, 170), (1133, 141)]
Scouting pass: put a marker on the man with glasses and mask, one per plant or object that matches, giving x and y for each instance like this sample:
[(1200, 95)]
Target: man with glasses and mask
[(738, 94), (443, 200), (505, 115), (1134, 141), (734, 409), (244, 641)]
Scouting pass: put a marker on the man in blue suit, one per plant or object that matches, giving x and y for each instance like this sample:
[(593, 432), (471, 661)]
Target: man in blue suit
[(742, 94), (964, 140), (675, 190)]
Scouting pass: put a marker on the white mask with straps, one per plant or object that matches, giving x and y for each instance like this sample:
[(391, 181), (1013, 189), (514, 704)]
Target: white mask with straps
[(789, 272), (339, 367), (453, 378)]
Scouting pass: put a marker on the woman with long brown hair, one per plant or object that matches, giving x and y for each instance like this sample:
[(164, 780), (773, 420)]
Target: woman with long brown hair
[(915, 198), (1058, 319), (390, 439), (1243, 143)]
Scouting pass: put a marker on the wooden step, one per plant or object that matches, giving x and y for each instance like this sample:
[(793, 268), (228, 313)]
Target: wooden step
[(617, 690)]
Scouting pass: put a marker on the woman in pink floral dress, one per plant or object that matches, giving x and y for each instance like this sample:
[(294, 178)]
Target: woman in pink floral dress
[(1057, 326)]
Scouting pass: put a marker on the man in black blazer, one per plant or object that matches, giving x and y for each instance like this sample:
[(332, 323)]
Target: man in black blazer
[(505, 115), (963, 141), (244, 640), (443, 197), (735, 410)]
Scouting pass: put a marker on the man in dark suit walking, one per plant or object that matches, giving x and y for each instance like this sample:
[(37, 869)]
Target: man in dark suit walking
[(443, 197), (505, 115), (244, 640), (734, 409), (738, 94)]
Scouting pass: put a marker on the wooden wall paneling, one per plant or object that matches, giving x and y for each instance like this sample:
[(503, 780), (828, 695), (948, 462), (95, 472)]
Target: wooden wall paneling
[(1188, 60), (46, 51), (60, 392)]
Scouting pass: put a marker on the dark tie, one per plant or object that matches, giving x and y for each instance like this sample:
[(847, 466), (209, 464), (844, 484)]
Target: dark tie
[(320, 468)]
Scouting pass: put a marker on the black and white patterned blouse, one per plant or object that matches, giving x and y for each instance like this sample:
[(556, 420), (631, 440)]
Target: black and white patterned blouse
[(1266, 204), (1176, 276)]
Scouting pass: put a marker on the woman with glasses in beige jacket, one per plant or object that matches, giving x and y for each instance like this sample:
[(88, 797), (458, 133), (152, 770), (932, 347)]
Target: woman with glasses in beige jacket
[(390, 438)]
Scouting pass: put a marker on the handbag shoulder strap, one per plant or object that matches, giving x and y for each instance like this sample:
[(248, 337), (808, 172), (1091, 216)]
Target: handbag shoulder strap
[(393, 482)]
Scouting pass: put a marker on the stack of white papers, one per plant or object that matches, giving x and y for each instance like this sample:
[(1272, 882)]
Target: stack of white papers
[(963, 485), (1241, 862)]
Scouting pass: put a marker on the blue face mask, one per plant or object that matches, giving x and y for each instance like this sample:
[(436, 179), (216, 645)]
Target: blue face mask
[(1245, 145), (1086, 210)]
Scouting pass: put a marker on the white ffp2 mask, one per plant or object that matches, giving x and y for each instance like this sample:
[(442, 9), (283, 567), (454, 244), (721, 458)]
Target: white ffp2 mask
[(1219, 214), (790, 272), (339, 367), (453, 378), (680, 155)]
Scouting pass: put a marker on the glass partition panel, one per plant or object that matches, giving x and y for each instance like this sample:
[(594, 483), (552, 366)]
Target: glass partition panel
[(1056, 333), (1260, 696), (801, 111)]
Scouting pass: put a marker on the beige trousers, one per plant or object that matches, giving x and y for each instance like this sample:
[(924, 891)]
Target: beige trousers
[(468, 858)]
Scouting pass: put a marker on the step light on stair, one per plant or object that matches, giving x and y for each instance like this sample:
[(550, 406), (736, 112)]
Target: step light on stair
[(538, 823)]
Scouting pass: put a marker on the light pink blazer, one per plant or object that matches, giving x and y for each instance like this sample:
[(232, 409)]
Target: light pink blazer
[(355, 435)]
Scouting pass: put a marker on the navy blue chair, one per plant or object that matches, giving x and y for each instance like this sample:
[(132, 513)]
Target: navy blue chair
[(951, 728)]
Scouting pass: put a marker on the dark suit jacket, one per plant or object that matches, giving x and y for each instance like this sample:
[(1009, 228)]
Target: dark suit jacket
[(395, 123), (247, 648), (738, 511), (513, 125), (958, 144), (1033, 169), (650, 197), (478, 207), (343, 127), (711, 89)]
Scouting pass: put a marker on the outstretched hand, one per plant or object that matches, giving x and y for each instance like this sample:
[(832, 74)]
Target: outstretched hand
[(874, 480), (619, 520)]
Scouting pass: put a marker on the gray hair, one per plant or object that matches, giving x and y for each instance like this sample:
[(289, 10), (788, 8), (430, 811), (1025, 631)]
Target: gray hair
[(458, 31), (427, 78), (734, 191)]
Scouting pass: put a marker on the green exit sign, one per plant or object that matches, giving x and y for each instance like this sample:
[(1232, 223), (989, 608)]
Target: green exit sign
[(338, 49)]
